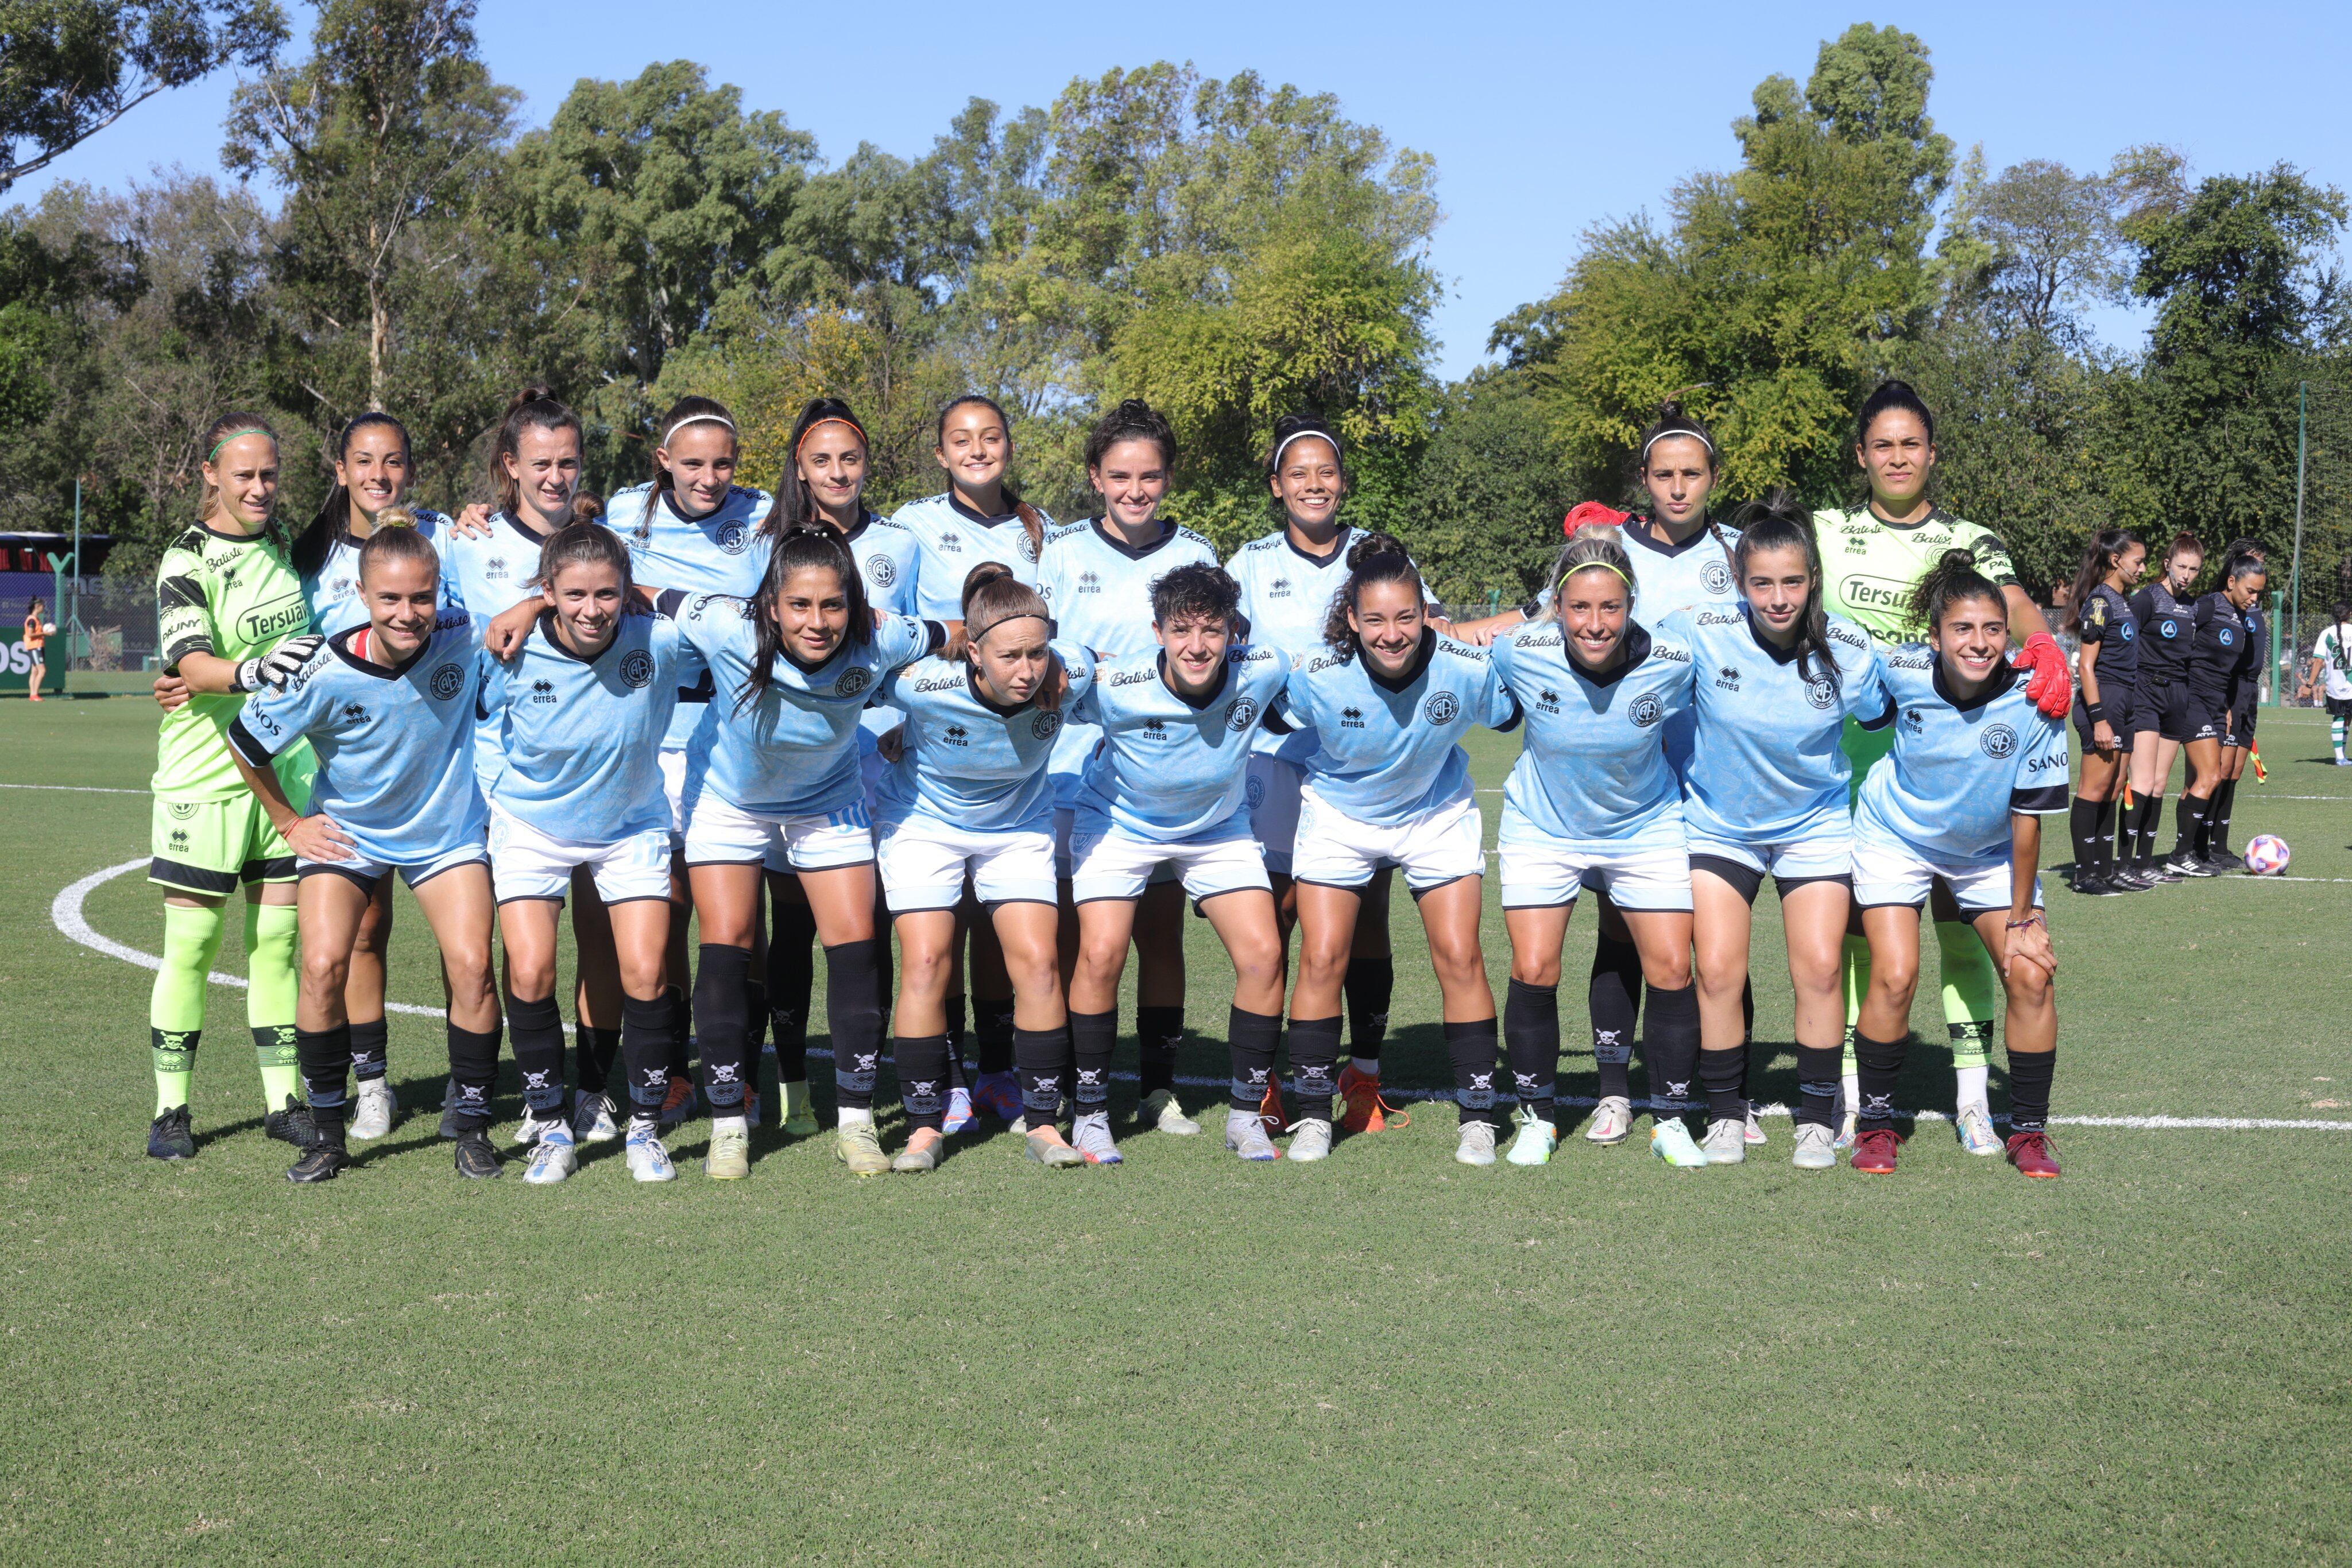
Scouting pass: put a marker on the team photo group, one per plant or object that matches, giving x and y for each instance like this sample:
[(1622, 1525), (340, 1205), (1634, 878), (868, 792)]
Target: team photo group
[(972, 756)]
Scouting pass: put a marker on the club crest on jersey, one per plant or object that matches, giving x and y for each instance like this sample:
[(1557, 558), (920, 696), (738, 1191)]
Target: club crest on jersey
[(1043, 725), (2228, 636), (1028, 547), (1647, 710), (636, 669), (183, 809), (732, 537), (2168, 627), (1255, 793), (1715, 577), (1240, 713), (1999, 742), (882, 569), (1820, 692), (853, 680), (447, 682), (1440, 708)]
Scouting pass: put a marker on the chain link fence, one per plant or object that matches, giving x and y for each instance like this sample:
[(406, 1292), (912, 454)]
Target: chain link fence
[(116, 629)]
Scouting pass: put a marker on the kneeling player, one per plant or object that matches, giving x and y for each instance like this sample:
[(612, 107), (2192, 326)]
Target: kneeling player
[(1975, 765)]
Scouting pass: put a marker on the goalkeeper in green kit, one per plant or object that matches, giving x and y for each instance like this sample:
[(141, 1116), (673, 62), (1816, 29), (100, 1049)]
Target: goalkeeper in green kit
[(230, 619), (1872, 558)]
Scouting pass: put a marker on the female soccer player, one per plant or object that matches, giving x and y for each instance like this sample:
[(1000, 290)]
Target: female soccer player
[(1765, 793), (2099, 611), (389, 709), (2161, 708), (1389, 785), (1098, 575), (36, 638), (2221, 660), (1288, 580), (968, 798), (1974, 767), (230, 621), (579, 711), (772, 778), (1167, 787), (2245, 706), (2331, 671), (978, 517), (1592, 798)]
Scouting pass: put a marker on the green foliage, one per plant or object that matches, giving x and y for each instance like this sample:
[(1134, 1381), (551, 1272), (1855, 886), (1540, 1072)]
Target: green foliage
[(1484, 511)]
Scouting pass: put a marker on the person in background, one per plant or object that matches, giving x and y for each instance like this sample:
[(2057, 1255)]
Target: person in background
[(36, 635)]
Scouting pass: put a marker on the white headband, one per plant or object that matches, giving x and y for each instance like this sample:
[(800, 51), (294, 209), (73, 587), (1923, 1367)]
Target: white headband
[(1697, 436), (717, 419), (1284, 444)]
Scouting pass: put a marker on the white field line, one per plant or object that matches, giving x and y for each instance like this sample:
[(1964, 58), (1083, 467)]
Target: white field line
[(75, 788)]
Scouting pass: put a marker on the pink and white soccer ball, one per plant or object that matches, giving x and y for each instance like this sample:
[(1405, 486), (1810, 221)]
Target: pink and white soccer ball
[(2267, 855)]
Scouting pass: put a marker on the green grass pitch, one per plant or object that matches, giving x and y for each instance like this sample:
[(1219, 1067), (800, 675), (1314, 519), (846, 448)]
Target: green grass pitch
[(1382, 1358)]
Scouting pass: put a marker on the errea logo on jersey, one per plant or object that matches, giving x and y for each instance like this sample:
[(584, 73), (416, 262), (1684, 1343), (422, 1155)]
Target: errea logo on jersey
[(542, 691), (1548, 701), (1153, 729), (1279, 589), (1088, 582), (956, 735), (1351, 718), (1728, 677)]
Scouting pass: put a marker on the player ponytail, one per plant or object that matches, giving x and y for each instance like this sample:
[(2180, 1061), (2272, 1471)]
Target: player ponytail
[(1890, 397), (1375, 557), (794, 503), (801, 547), (1032, 523), (684, 412), (992, 596), (587, 508), (1953, 580), (2099, 557), (533, 408), (585, 543), (309, 555), (1592, 545), (1779, 522), (2243, 565), (396, 538)]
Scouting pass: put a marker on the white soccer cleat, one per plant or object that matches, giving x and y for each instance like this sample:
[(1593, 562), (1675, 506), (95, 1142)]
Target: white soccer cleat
[(648, 1156), (1534, 1143), (1476, 1145), (1245, 1136), (1310, 1139), (1159, 1108), (1816, 1149), (1613, 1119), (1090, 1136), (1755, 1133), (1726, 1143), (1974, 1124), (374, 1108), (533, 1124), (591, 1118), (554, 1159)]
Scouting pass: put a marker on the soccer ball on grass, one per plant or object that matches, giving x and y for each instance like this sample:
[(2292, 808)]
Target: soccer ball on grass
[(2267, 855)]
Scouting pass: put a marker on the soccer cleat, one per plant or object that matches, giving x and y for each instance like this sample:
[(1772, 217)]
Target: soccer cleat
[(1726, 1143), (1270, 1112), (1245, 1136), (1874, 1149), (291, 1124), (1365, 1110), (960, 1117), (1090, 1133), (800, 1115), (1613, 1119), (2186, 866), (1816, 1149), (2090, 885), (1534, 1143), (677, 1105), (1475, 1145), (1753, 1131), (1310, 1139), (2031, 1155), (1046, 1148), (535, 1122), (1848, 1125), (374, 1108), (591, 1118), (1974, 1125), (1671, 1142), (648, 1157), (320, 1162), (2129, 879), (2222, 863), (856, 1145), (476, 1159), (555, 1157), (1159, 1108), (168, 1137), (922, 1155), (999, 1094), (2161, 872), (729, 1157)]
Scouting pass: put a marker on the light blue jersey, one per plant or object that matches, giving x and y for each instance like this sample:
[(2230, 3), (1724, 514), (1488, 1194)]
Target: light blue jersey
[(951, 539), (793, 751), (885, 560), (968, 762), (580, 736), (394, 745), (333, 591), (719, 552), (1100, 593), (1767, 758), (489, 574), (1956, 771), (1594, 772), (1171, 768), (1392, 749), (1285, 595)]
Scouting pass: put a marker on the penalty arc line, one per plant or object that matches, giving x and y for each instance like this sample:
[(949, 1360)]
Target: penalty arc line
[(66, 915)]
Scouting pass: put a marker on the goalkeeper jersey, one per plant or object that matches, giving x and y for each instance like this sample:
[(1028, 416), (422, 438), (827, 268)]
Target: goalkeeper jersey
[(233, 596), (1869, 565)]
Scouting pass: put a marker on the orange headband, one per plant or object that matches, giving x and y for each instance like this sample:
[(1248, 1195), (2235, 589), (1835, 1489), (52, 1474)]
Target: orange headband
[(829, 419)]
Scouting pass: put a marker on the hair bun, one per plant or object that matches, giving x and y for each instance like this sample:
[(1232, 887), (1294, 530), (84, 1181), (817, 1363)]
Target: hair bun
[(535, 392), (1371, 545), (585, 507)]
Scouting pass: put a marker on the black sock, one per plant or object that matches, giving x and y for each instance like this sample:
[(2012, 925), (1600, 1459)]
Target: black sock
[(2082, 821), (1669, 1047), (1251, 1038), (1369, 985), (1315, 1065), (368, 1044), (992, 1034), (595, 1050), (324, 1056), (2151, 817), (681, 1035), (2217, 823), (1090, 1063), (1819, 1069), (791, 976), (2030, 1073), (1040, 1055), (1614, 1000), (956, 1015), (1719, 1073), (1158, 1032), (719, 1026), (474, 1064), (921, 1064), (1473, 1048), (1878, 1063), (536, 1030), (2102, 838), (855, 1019), (2190, 818), (1531, 1038), (644, 1051)]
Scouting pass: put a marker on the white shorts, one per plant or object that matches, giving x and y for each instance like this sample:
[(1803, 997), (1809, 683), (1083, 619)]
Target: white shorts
[(673, 772), (870, 768), (1540, 873), (924, 862), (1111, 862), (1890, 875), (1064, 818), (723, 833), (368, 873), (1820, 847), (1273, 797), (528, 863), (1443, 844)]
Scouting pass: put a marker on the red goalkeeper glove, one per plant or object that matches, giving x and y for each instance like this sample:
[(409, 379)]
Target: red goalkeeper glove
[(1590, 514), (2050, 685)]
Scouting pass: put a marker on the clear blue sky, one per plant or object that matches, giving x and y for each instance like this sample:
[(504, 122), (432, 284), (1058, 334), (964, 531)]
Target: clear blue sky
[(1543, 118)]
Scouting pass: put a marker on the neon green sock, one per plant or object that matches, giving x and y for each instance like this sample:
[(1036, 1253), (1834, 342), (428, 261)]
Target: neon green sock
[(270, 1000), (1972, 991), (1857, 985), (176, 1009)]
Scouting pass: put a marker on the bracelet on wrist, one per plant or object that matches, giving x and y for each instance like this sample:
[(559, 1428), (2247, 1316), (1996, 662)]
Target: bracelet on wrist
[(2032, 919)]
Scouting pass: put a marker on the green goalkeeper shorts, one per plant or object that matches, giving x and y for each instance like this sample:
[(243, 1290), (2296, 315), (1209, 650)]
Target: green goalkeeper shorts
[(208, 847)]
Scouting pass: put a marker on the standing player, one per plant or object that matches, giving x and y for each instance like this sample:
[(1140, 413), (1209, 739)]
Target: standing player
[(1765, 794), (1592, 798), (1389, 785), (2100, 613), (2160, 715), (2331, 669), (36, 638), (2221, 654), (1874, 556), (390, 709), (2245, 706), (1167, 787), (1098, 578), (1974, 767)]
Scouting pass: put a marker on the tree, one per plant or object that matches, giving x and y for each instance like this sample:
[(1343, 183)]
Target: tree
[(69, 69), (1485, 504)]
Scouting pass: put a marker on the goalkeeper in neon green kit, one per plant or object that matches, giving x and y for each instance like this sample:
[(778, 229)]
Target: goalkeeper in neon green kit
[(1872, 558), (230, 619)]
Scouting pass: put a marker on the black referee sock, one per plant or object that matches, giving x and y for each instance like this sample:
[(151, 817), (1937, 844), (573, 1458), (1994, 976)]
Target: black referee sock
[(1314, 1063), (536, 1030), (1368, 985), (2217, 821), (2083, 820), (1670, 1046), (2030, 1076), (2103, 837), (1880, 1062), (854, 1017), (718, 1001), (2190, 818), (644, 1051), (368, 1044), (1818, 1067), (1158, 1032), (1039, 1056), (2151, 817), (921, 1064), (1719, 1073), (1251, 1038), (1614, 1001), (1473, 1048), (474, 1064), (1531, 1040)]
